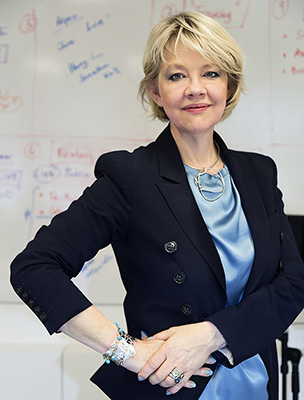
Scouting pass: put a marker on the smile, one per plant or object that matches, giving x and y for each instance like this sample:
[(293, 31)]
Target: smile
[(196, 108)]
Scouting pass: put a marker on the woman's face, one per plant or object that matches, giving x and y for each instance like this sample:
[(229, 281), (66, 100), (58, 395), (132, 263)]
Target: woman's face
[(192, 92)]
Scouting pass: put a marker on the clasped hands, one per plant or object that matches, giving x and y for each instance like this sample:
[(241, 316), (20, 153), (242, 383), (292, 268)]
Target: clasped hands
[(184, 350)]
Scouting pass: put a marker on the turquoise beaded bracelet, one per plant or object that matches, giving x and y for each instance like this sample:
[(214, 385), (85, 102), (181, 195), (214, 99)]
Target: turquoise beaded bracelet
[(121, 349)]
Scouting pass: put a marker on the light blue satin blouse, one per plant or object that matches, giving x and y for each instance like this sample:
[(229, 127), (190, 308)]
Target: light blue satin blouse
[(229, 229)]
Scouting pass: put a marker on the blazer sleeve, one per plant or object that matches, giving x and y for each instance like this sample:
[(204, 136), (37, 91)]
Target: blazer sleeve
[(264, 314), (41, 274)]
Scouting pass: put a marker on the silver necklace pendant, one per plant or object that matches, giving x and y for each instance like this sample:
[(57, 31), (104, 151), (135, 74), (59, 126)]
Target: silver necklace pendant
[(203, 190)]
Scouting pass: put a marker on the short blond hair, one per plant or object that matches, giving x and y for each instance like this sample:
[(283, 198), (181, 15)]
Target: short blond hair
[(199, 33)]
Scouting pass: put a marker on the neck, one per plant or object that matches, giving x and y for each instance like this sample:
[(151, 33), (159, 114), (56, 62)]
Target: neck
[(196, 151)]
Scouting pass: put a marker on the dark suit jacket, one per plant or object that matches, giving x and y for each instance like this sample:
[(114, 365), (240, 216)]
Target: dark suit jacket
[(139, 202)]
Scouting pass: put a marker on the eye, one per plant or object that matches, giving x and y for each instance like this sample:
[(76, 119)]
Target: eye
[(211, 74), (176, 77)]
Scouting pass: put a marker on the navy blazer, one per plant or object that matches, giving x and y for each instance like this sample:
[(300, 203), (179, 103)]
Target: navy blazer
[(140, 202)]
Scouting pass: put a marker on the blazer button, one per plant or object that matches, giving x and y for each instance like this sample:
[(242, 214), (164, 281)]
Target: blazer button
[(43, 316), (31, 303), (282, 236), (37, 310), (187, 309), (170, 247), (179, 277), (19, 290), (25, 296)]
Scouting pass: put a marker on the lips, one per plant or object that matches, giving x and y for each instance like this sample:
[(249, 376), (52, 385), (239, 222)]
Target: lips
[(196, 107)]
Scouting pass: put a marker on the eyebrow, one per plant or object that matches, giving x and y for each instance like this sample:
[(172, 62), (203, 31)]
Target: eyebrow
[(181, 66)]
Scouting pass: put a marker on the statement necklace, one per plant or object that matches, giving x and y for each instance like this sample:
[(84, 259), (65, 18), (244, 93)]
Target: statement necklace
[(217, 175)]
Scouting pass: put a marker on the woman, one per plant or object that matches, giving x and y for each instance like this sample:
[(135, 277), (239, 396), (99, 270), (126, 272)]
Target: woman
[(204, 249)]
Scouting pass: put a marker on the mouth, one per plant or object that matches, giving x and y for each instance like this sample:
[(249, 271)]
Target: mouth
[(196, 107)]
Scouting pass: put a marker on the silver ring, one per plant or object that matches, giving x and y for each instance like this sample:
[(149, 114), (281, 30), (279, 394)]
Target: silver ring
[(176, 376)]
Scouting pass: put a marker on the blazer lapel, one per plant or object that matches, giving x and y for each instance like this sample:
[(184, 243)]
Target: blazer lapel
[(257, 220), (255, 213), (177, 193)]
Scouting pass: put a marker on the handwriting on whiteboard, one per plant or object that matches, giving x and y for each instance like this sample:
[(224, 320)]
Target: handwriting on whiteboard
[(280, 8), (10, 181), (105, 70), (46, 173), (28, 23), (32, 150), (230, 13), (93, 64), (3, 30), (67, 152), (289, 36), (49, 202), (63, 22), (91, 25), (59, 171), (9, 102), (5, 157), (63, 45), (10, 177), (93, 266), (297, 71), (4, 53), (300, 34)]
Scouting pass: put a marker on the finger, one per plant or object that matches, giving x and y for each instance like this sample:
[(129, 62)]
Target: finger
[(187, 385), (164, 335), (175, 388), (143, 335), (169, 382), (161, 375), (204, 371), (190, 384), (154, 362), (211, 360)]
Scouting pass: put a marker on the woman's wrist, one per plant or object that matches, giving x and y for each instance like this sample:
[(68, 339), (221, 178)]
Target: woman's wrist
[(214, 336), (109, 336), (121, 348)]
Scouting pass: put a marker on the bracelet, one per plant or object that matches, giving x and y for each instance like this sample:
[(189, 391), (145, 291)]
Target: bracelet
[(121, 349)]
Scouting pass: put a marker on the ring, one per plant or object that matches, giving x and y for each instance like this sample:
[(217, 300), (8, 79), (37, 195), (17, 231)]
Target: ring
[(176, 376)]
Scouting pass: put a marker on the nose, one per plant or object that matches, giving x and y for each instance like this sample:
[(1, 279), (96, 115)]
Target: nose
[(195, 88)]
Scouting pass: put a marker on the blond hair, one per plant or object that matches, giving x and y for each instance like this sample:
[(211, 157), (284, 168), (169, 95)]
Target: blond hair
[(199, 33)]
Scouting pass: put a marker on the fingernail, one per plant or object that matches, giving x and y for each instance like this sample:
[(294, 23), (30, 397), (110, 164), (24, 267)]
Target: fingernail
[(168, 393), (140, 378), (209, 372), (193, 385), (212, 360)]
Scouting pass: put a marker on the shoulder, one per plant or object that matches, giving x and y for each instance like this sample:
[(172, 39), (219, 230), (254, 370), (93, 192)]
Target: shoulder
[(252, 163), (255, 163), (123, 161)]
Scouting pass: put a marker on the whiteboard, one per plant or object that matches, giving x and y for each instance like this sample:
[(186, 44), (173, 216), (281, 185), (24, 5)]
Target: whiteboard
[(69, 73)]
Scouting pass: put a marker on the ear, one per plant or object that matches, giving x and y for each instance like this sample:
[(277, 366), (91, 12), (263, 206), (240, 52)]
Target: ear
[(155, 95), (230, 89)]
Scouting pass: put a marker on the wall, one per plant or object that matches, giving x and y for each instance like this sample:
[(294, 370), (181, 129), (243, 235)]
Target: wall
[(69, 72)]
